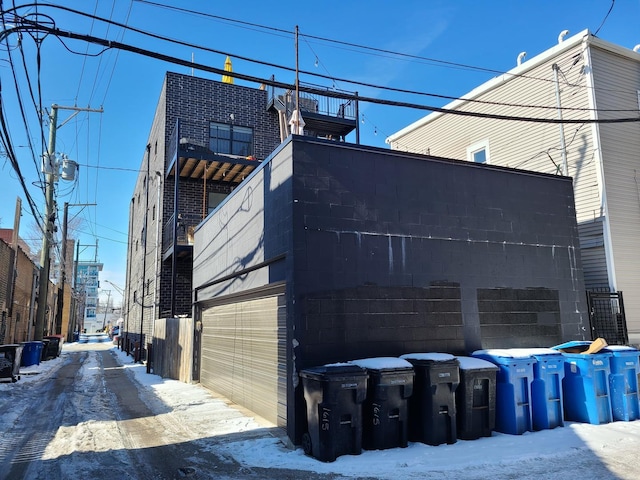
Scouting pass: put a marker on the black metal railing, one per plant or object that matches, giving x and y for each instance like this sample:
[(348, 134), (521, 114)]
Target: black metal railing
[(315, 103), (184, 230)]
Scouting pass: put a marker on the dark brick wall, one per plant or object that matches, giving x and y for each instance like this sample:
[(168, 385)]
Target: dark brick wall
[(198, 101)]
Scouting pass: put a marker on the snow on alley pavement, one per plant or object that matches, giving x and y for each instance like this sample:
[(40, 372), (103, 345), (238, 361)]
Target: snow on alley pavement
[(93, 413)]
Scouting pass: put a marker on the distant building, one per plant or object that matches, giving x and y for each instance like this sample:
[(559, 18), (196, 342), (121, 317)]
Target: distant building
[(591, 79), (87, 285)]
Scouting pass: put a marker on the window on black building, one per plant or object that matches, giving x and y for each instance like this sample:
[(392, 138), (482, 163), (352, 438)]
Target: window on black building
[(230, 139)]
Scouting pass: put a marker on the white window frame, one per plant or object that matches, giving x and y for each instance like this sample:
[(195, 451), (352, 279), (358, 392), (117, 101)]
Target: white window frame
[(477, 147)]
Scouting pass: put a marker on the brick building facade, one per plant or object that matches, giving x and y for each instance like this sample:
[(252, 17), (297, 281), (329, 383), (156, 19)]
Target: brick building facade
[(163, 212)]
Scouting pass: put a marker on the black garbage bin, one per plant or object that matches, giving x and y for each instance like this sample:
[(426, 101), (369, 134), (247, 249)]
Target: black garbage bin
[(476, 398), (10, 357), (385, 410), (45, 349), (55, 345), (333, 395), (432, 407)]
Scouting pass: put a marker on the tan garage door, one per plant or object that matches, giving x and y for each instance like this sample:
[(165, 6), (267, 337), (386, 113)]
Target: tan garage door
[(243, 354)]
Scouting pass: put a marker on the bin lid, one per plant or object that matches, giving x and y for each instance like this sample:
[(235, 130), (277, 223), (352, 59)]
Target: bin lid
[(429, 358), (535, 352), (383, 363), (505, 356), (333, 370), (504, 353), (620, 348), (472, 363)]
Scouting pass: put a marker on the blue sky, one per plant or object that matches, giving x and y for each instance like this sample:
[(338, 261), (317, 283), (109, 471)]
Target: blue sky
[(109, 146)]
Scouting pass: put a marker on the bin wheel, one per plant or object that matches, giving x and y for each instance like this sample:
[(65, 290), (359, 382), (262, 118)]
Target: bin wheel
[(306, 443)]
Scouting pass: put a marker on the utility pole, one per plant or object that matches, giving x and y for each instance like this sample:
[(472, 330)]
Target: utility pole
[(51, 174), (63, 267), (48, 227), (106, 307)]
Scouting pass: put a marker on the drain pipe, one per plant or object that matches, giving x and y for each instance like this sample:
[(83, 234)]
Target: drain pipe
[(158, 244), (144, 253)]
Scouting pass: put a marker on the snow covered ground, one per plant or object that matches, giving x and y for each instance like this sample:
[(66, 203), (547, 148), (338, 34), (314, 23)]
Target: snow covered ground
[(576, 451)]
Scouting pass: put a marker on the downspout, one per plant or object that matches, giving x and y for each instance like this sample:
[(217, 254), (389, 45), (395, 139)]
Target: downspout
[(144, 253), (35, 279), (158, 245), (176, 205), (129, 282)]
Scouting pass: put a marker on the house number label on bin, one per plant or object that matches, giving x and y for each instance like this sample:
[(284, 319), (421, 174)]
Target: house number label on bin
[(444, 375), (349, 385), (325, 420), (376, 414)]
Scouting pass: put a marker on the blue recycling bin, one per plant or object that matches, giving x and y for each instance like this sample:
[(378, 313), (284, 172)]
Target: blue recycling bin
[(586, 387), (513, 388), (547, 406), (31, 353), (623, 382)]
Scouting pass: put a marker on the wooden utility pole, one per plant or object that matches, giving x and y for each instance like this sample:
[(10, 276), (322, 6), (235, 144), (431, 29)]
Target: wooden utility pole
[(51, 175)]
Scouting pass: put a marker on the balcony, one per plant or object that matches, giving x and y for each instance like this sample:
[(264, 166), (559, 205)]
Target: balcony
[(324, 116), (183, 231), (189, 153)]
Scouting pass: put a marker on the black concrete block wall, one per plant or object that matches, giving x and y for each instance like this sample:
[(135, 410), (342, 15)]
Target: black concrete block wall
[(403, 223)]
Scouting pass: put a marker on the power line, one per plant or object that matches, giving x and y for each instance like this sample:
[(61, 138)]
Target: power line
[(314, 74), (323, 92), (613, 2)]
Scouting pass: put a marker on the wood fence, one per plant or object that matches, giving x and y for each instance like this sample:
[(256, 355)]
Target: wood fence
[(172, 348)]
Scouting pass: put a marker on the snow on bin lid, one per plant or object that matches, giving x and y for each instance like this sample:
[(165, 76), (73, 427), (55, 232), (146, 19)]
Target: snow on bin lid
[(620, 347), (471, 363), (382, 363), (516, 352), (433, 356)]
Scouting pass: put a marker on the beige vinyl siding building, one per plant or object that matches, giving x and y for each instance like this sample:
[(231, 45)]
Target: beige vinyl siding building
[(596, 80)]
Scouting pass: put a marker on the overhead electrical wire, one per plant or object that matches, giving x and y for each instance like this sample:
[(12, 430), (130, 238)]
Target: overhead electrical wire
[(36, 27), (386, 52), (314, 74), (5, 139), (60, 34), (613, 2), (22, 109)]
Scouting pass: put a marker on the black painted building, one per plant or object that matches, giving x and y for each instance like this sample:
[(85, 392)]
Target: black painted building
[(329, 252)]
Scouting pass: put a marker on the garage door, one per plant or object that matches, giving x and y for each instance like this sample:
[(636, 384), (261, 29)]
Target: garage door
[(244, 354)]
